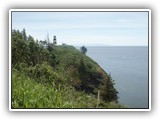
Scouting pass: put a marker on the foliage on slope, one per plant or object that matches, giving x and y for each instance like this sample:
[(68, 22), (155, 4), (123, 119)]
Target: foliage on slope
[(48, 76)]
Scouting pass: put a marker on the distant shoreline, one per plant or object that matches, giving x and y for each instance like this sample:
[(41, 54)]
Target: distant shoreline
[(107, 46)]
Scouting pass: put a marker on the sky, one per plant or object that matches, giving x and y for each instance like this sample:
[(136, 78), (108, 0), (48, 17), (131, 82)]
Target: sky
[(86, 28)]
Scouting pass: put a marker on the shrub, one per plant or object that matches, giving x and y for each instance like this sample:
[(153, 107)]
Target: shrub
[(43, 73)]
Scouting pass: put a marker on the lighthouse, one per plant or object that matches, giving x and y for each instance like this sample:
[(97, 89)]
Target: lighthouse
[(54, 40)]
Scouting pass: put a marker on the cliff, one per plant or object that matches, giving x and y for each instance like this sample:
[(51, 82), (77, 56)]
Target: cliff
[(50, 76), (85, 74)]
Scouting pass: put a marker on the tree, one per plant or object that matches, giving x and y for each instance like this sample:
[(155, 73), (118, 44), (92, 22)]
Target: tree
[(24, 34), (19, 47), (107, 90), (83, 49)]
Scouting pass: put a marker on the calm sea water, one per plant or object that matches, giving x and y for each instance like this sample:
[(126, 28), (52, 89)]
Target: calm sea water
[(128, 66)]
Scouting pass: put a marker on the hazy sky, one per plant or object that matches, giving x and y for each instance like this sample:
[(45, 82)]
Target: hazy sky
[(86, 28)]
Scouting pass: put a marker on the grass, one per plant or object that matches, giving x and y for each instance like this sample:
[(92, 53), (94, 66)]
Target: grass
[(27, 93)]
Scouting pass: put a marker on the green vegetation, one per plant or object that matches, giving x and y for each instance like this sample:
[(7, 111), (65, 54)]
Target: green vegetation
[(48, 76), (83, 49)]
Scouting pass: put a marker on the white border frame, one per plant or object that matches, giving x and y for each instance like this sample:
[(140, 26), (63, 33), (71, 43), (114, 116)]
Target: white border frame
[(79, 10)]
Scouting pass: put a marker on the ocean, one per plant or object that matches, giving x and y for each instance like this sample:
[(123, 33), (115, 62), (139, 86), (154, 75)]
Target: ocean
[(128, 66)]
